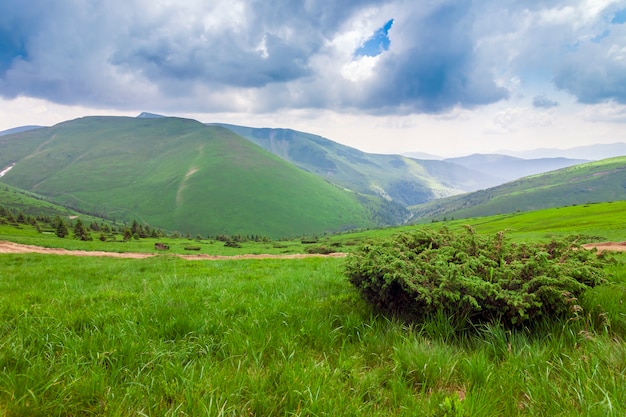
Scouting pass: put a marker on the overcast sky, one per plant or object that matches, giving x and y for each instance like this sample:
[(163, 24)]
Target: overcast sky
[(445, 77)]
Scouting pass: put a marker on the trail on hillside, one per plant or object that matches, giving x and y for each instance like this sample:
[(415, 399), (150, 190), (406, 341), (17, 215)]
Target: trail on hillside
[(11, 247)]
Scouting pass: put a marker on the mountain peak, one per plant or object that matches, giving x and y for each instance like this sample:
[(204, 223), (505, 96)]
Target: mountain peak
[(146, 115)]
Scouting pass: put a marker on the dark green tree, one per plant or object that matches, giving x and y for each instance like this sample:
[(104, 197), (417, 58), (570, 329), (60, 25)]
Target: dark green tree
[(60, 228), (21, 218), (81, 232)]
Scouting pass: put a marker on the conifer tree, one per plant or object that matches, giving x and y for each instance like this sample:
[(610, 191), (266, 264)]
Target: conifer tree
[(80, 231), (60, 228)]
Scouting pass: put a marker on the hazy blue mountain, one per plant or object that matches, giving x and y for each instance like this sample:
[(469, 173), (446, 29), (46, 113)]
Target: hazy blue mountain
[(509, 168), (146, 115), (423, 155), (19, 129), (589, 152)]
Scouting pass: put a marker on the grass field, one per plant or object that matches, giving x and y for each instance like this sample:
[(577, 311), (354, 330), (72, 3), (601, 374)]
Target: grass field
[(164, 336), (593, 222)]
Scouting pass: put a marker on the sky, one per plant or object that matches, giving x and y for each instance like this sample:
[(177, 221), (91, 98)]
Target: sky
[(446, 77)]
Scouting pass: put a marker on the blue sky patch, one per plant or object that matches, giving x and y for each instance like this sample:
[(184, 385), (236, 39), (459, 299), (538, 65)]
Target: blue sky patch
[(620, 17), (9, 50), (377, 43), (601, 36)]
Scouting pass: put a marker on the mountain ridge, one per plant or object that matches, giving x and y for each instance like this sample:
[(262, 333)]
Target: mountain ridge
[(597, 181), (508, 168), (395, 177), (179, 174)]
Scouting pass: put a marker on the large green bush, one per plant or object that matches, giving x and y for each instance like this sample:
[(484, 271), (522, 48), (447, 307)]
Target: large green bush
[(472, 278)]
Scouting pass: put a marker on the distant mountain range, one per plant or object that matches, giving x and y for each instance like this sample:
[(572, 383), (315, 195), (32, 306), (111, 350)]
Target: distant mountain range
[(508, 168), (179, 174), (398, 178), (588, 152), (597, 181)]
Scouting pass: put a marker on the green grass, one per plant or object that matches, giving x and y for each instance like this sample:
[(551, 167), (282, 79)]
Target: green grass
[(407, 181), (26, 234), (178, 175), (595, 222), (599, 221), (163, 336), (590, 182), (592, 222), (36, 205)]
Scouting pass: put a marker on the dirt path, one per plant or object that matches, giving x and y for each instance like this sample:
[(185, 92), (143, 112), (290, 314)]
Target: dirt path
[(10, 247), (607, 246)]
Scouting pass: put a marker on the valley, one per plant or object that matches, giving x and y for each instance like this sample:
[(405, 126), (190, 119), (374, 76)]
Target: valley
[(189, 178)]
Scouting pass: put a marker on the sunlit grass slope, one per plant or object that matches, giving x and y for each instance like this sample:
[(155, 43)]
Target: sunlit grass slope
[(33, 204), (405, 180), (591, 222), (178, 174), (598, 181)]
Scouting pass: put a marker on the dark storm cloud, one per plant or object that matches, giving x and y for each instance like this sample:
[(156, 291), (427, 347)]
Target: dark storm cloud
[(219, 61), (438, 69), (229, 55), (596, 70)]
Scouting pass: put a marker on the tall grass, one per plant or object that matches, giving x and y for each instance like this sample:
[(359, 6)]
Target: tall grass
[(163, 336)]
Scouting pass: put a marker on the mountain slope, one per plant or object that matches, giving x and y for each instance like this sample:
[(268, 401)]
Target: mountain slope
[(36, 205), (19, 130), (598, 181), (179, 174), (508, 168), (404, 180)]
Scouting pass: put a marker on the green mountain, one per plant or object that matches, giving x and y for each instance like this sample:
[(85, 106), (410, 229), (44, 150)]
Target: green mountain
[(36, 205), (597, 181), (399, 178), (178, 174)]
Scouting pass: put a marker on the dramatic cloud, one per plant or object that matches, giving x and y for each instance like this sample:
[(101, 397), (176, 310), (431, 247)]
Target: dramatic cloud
[(542, 102), (389, 57)]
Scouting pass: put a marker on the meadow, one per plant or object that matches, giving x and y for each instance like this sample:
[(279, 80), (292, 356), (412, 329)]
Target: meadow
[(592, 222), (166, 336)]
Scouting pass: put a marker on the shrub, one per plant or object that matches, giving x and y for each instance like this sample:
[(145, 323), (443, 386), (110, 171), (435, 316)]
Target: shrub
[(323, 250), (472, 278)]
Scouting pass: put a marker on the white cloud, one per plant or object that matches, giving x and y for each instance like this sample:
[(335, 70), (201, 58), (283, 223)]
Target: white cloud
[(605, 112), (456, 72)]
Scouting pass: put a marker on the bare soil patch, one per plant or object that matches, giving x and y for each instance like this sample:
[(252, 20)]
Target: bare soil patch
[(607, 246), (11, 247)]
